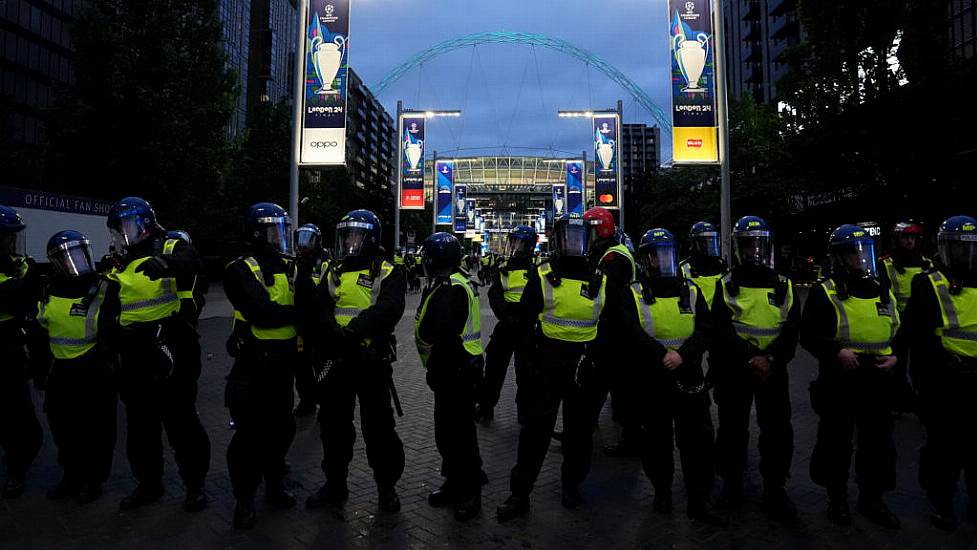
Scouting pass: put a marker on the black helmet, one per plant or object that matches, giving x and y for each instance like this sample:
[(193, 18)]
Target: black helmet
[(442, 255), (308, 241), (179, 235), (357, 234), (657, 254), (704, 240), (267, 228), (957, 242), (852, 252), (753, 242), (571, 236), (131, 220), (521, 242), (70, 252), (12, 239)]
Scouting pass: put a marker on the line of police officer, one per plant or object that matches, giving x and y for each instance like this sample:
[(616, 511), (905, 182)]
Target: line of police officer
[(134, 329)]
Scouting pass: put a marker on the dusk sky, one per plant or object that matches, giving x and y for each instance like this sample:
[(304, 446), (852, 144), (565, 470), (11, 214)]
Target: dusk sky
[(506, 99)]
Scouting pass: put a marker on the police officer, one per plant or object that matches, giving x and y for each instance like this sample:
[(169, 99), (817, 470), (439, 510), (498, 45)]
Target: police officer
[(560, 309), (756, 318), (508, 283), (941, 320), (20, 432), (670, 325), (75, 351), (263, 343), (309, 257), (615, 261), (448, 337), (367, 297), (905, 261), (849, 323), (157, 391), (704, 266)]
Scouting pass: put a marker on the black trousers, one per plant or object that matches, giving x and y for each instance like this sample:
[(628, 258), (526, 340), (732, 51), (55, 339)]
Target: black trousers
[(946, 408), (546, 379), (20, 432), (454, 427), (260, 397), (735, 395), (612, 380), (671, 418), (370, 383), (305, 383), (498, 354), (81, 402), (157, 397), (848, 403)]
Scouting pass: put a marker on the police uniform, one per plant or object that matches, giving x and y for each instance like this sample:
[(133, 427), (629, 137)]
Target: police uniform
[(704, 277), (20, 432), (897, 272), (504, 296), (448, 338), (259, 391)]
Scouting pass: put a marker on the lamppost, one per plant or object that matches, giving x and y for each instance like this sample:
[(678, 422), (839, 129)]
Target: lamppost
[(604, 155)]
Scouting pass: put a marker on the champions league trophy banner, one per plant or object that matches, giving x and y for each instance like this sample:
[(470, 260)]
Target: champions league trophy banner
[(412, 163), (445, 189), (326, 55), (574, 189), (461, 208), (559, 200), (469, 212), (694, 124), (606, 152)]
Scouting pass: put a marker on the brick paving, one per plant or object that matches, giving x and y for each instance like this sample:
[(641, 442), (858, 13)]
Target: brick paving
[(616, 513)]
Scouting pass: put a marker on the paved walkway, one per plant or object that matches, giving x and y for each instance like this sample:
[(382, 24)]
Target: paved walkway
[(616, 514)]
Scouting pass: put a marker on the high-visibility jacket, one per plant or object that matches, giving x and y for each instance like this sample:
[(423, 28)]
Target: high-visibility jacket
[(756, 318), (901, 279), (471, 334), (281, 292), (959, 331), (71, 323), (665, 320), (706, 283), (865, 325), (142, 299), (513, 283), (354, 292), (622, 250), (570, 311)]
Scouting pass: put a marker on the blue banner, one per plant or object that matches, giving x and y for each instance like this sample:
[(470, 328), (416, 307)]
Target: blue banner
[(445, 187), (461, 208), (606, 154), (469, 212), (574, 188), (559, 200), (412, 162)]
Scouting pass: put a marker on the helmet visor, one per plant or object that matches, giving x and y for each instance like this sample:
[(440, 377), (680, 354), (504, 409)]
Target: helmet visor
[(959, 253), (130, 231), (856, 259), (659, 260), (518, 248), (755, 250), (351, 238), (307, 242), (571, 240), (14, 244), (276, 234), (73, 258), (706, 245)]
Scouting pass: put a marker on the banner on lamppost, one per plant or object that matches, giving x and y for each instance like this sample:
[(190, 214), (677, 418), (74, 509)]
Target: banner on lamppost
[(574, 188), (326, 66), (445, 190), (469, 212), (412, 162), (693, 49), (461, 207), (559, 200), (607, 152)]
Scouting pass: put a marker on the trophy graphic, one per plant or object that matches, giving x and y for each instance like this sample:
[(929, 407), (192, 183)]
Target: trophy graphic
[(691, 57), (326, 59), (460, 205), (605, 148), (413, 148), (558, 203)]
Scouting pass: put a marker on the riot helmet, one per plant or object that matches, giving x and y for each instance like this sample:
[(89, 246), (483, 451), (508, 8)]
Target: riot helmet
[(572, 236), (180, 235), (521, 242), (308, 241), (357, 234), (13, 240), (268, 229), (704, 240), (600, 227), (753, 242), (131, 221), (70, 252), (957, 243), (852, 252), (657, 255), (441, 255)]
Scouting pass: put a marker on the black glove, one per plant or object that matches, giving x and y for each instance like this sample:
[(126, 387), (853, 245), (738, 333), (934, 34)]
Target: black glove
[(154, 268)]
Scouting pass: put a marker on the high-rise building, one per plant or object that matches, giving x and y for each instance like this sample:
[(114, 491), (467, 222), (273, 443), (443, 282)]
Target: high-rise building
[(35, 60), (640, 154), (962, 29), (757, 34), (235, 18), (371, 141)]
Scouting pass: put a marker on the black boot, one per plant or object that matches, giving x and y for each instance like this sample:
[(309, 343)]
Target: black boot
[(468, 508), (327, 495), (439, 498), (571, 497), (874, 509), (838, 512), (389, 501), (142, 496), (13, 488), (731, 494), (778, 505), (279, 498), (244, 517), (663, 501), (943, 516), (700, 510), (513, 507), (196, 499)]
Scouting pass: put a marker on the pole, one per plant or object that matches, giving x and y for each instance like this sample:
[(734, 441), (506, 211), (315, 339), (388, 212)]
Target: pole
[(398, 191), (725, 214), (583, 184), (434, 193), (298, 100), (620, 151)]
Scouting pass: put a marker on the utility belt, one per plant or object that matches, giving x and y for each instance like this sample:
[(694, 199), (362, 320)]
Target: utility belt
[(963, 364), (243, 344)]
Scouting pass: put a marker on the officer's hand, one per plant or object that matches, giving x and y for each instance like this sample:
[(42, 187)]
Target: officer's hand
[(886, 362), (848, 359), (672, 360), (761, 367), (154, 268)]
